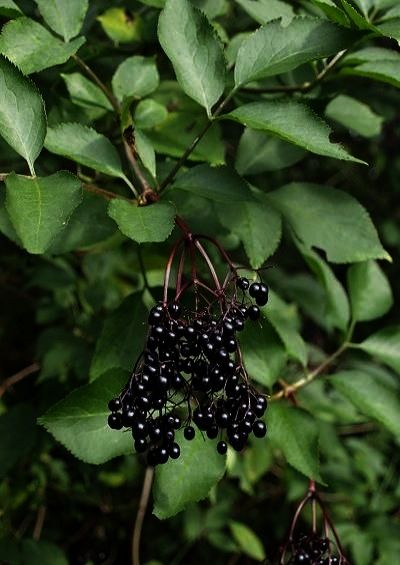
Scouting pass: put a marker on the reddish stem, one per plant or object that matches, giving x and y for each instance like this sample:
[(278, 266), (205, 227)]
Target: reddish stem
[(169, 267), (220, 249)]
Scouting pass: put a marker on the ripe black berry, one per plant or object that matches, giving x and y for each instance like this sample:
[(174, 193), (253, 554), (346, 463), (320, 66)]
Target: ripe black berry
[(174, 310), (115, 421), (259, 428), (253, 312), (243, 283), (174, 451), (254, 289), (115, 404), (189, 433), (222, 447)]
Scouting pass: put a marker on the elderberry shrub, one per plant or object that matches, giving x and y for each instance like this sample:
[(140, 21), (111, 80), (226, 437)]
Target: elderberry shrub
[(314, 550), (192, 361)]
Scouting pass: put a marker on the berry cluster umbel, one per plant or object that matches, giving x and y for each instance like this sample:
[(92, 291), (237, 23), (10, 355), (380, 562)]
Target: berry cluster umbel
[(313, 550), (190, 374)]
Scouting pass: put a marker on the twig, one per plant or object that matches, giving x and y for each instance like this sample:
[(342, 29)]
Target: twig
[(144, 500), (8, 383), (110, 96), (102, 192), (41, 515)]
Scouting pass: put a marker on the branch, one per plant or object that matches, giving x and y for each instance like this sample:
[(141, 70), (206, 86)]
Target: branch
[(110, 96), (144, 500), (90, 187), (8, 383)]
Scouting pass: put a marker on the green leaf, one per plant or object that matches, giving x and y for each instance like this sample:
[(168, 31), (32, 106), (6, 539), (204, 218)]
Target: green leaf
[(122, 338), (273, 50), (337, 311), (9, 9), (42, 553), (135, 77), (149, 114), (40, 207), (258, 225), (247, 541), (370, 396), (371, 54), (292, 121), (188, 479), (65, 18), (79, 421), (143, 224), (354, 115), (194, 50), (346, 234), (383, 71), (17, 436), (263, 353), (32, 48), (86, 94), (295, 433), (220, 184), (384, 345), (259, 152), (22, 113), (263, 11), (85, 146), (332, 11), (358, 19), (121, 25), (145, 151), (370, 293)]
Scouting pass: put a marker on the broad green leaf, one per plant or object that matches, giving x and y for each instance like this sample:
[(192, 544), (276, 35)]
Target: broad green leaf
[(22, 113), (194, 50), (247, 541), (337, 311), (390, 28), (263, 353), (370, 293), (188, 479), (371, 54), (370, 396), (145, 151), (291, 121), (89, 224), (295, 433), (121, 26), (346, 234), (79, 421), (32, 48), (355, 115), (384, 71), (9, 9), (42, 553), (149, 114), (220, 184), (273, 50), (258, 225), (86, 94), (263, 11), (259, 152), (122, 338), (85, 146), (332, 11), (358, 19), (385, 346), (143, 224), (65, 18), (6, 227), (135, 77), (40, 207), (17, 435)]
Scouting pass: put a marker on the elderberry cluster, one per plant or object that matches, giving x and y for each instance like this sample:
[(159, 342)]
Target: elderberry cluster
[(192, 363), (313, 550)]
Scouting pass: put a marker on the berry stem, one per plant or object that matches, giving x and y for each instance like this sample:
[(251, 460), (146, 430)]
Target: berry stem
[(14, 379), (143, 503)]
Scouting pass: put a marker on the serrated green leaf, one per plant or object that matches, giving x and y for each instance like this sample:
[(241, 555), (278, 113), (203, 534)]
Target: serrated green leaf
[(383, 71), (371, 54), (149, 114), (370, 396), (22, 113), (9, 9), (135, 77), (273, 50), (370, 292), (32, 48), (258, 225), (385, 346), (263, 353), (188, 479), (259, 152), (85, 146), (121, 25), (220, 184), (17, 435), (145, 151), (143, 224), (247, 541), (194, 50), (355, 115), (332, 11), (122, 338), (291, 121), (346, 234), (65, 18), (295, 433), (390, 28), (263, 11), (40, 207), (79, 421), (86, 94)]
